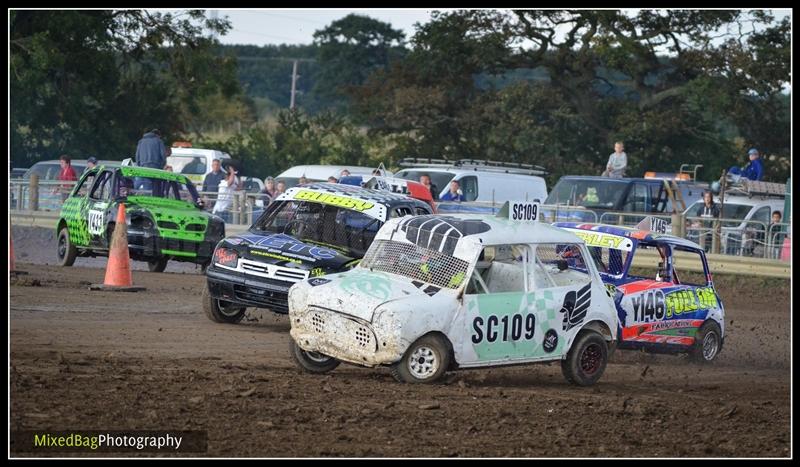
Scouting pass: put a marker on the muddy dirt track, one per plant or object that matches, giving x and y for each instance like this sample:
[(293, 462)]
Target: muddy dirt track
[(152, 360)]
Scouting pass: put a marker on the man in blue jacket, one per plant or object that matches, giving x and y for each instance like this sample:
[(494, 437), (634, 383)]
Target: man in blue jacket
[(754, 170), (151, 152)]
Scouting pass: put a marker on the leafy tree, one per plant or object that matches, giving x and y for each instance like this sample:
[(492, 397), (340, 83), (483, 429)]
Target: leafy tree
[(87, 82), (658, 79), (350, 49)]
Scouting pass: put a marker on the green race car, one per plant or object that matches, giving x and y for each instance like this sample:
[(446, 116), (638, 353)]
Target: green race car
[(164, 216)]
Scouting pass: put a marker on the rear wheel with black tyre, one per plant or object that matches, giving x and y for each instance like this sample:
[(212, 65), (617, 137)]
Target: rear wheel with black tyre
[(425, 361), (312, 362), (221, 311), (708, 343), (66, 249), (157, 265), (586, 360)]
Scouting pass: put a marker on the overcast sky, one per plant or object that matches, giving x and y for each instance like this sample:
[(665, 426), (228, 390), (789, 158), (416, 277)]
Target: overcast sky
[(286, 26), (261, 27)]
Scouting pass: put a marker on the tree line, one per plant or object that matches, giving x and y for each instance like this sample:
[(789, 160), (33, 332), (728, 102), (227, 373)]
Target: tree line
[(554, 88)]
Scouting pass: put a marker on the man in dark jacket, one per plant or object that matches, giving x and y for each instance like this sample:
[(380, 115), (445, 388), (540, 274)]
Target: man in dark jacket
[(151, 152)]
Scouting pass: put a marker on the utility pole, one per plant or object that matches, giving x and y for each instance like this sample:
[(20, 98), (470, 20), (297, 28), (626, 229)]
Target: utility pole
[(294, 83)]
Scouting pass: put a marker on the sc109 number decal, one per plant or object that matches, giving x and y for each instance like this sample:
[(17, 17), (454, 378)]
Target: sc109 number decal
[(506, 328)]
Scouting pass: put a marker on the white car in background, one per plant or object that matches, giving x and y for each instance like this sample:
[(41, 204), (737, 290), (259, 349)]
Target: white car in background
[(440, 292), (479, 180), (320, 173), (195, 163)]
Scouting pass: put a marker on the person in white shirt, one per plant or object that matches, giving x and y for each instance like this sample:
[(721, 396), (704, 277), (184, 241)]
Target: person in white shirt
[(227, 187), (617, 162)]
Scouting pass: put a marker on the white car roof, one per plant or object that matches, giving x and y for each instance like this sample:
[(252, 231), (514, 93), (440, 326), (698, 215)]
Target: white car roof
[(322, 172), (199, 152), (488, 231), (460, 171)]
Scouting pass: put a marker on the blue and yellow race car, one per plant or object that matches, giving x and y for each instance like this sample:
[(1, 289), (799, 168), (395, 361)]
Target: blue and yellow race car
[(662, 288)]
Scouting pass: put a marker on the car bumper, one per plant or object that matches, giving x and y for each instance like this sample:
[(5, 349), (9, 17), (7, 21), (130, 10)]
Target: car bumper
[(343, 337), (143, 244), (248, 290)]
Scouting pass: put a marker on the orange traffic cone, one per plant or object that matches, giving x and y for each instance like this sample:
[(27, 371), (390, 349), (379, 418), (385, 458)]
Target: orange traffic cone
[(118, 270), (12, 269)]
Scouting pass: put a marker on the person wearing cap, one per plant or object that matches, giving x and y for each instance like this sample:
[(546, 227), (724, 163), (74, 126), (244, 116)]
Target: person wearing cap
[(754, 170), (150, 151), (91, 163)]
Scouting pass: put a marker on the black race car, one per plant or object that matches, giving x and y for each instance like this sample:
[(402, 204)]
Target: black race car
[(309, 231)]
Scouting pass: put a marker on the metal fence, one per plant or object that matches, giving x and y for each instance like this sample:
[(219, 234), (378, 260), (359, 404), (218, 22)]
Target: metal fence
[(726, 236), (49, 195)]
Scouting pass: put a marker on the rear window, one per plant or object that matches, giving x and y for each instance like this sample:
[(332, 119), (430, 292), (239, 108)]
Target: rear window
[(188, 164)]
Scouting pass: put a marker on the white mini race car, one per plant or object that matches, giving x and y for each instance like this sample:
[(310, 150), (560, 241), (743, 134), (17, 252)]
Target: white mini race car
[(440, 292)]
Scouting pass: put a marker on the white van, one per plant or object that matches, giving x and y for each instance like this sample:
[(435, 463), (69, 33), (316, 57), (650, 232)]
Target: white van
[(195, 163), (320, 173), (479, 180)]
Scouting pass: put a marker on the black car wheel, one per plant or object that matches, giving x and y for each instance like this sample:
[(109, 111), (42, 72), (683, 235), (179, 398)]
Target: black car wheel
[(66, 250), (708, 343), (312, 362), (157, 265), (221, 311), (586, 360)]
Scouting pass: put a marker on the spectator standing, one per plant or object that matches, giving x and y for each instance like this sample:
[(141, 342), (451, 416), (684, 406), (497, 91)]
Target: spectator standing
[(754, 170), (226, 190), (150, 151), (212, 179), (332, 179), (280, 187), (454, 194), (425, 179), (617, 162), (91, 163), (268, 193), (67, 174), (777, 233), (710, 211), (345, 173)]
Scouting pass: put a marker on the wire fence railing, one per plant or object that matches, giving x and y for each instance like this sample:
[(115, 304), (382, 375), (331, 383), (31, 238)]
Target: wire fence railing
[(726, 236)]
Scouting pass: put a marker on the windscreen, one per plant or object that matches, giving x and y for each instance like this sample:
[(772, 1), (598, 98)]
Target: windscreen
[(588, 193), (345, 230), (440, 180)]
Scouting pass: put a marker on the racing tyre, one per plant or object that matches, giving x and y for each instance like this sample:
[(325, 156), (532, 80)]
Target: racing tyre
[(586, 360), (221, 311), (157, 265), (312, 362), (425, 361), (707, 344), (65, 249)]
